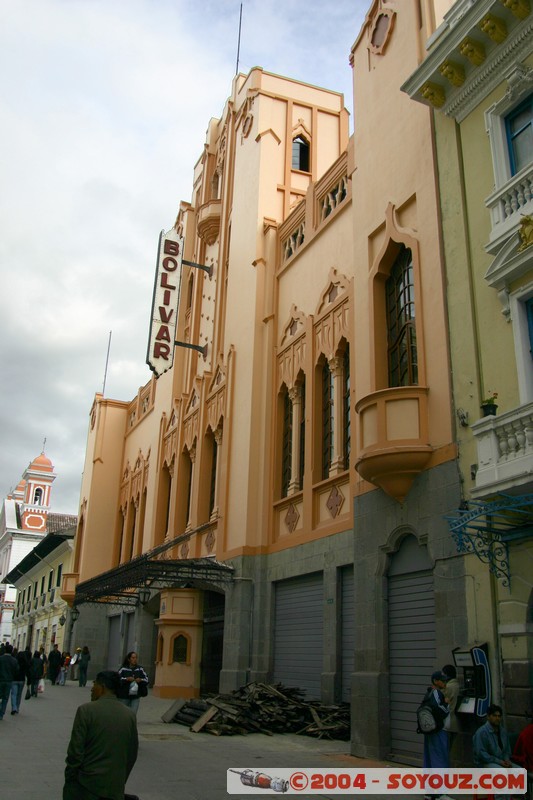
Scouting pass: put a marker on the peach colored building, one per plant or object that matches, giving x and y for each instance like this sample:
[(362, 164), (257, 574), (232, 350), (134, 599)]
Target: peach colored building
[(272, 506)]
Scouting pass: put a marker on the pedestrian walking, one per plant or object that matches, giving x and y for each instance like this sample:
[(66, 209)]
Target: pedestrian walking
[(133, 682), (54, 664), (451, 696), (103, 745), (21, 677), (8, 672), (83, 664), (436, 753), (65, 663), (36, 672)]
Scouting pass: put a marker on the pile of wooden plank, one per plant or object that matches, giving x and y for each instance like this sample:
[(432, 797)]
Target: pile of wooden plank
[(263, 708)]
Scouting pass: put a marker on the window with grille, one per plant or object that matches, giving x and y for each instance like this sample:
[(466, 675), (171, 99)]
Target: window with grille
[(327, 420), (301, 443), (286, 445), (400, 297), (346, 433), (179, 650), (213, 483)]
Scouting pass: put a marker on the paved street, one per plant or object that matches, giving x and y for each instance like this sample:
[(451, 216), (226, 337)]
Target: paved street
[(173, 762)]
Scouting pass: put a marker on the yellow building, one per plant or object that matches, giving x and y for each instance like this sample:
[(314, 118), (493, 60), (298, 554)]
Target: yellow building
[(271, 507), (478, 77)]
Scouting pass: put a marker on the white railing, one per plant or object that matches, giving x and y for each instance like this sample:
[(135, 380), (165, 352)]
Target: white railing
[(509, 203), (505, 450)]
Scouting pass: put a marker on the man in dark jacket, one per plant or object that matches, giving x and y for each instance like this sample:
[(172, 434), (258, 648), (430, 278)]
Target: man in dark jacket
[(54, 664), (103, 745), (17, 686), (8, 671)]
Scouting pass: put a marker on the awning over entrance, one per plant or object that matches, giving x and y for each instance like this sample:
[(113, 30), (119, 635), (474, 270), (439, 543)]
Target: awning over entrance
[(124, 585), (487, 527)]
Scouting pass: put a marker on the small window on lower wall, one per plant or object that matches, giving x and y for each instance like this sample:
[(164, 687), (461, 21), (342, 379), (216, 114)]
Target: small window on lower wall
[(180, 649)]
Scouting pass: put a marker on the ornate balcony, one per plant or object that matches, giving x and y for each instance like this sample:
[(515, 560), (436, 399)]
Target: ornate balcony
[(505, 452), (68, 586), (209, 221), (393, 438), (508, 205)]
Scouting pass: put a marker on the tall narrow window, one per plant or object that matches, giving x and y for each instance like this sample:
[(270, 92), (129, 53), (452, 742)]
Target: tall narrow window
[(190, 287), (38, 497), (213, 479), (180, 649), (519, 126), (286, 452), (59, 574), (529, 312), (346, 432), (327, 420), (189, 490), (300, 154), (302, 439), (400, 296)]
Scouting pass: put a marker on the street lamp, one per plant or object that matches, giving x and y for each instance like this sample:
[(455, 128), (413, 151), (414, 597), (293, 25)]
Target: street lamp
[(62, 620), (74, 614), (144, 596)]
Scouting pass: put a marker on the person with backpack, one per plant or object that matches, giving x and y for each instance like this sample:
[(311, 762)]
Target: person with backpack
[(432, 715)]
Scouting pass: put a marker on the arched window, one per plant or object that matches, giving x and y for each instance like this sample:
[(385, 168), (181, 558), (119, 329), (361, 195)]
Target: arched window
[(213, 477), (301, 461), (401, 329), (190, 287), (180, 649), (300, 154), (286, 445), (38, 496), (327, 419), (346, 432), (159, 651)]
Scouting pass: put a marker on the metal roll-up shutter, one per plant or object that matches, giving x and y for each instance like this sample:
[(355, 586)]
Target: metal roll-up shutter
[(298, 633), (347, 632), (412, 653)]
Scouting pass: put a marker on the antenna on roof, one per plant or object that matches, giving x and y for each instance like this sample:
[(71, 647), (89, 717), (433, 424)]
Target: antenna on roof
[(239, 42), (44, 444), (107, 361)]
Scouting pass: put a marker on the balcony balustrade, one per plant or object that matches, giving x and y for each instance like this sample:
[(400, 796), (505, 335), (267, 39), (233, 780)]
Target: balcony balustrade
[(507, 206), (505, 452)]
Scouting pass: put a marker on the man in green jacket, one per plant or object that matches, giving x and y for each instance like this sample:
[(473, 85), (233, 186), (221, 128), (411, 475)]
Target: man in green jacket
[(103, 745)]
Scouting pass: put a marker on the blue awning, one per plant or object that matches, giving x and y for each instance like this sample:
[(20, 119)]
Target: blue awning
[(487, 527)]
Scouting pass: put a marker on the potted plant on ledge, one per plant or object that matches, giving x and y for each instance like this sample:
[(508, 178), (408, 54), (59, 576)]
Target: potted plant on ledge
[(489, 405)]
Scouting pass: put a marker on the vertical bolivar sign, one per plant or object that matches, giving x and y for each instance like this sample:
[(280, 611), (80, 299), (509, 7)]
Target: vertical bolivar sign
[(165, 304)]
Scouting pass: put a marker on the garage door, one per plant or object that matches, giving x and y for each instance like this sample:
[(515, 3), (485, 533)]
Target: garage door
[(347, 632), (412, 650), (298, 633)]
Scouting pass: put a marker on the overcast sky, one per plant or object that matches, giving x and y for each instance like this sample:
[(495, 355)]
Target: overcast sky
[(104, 105)]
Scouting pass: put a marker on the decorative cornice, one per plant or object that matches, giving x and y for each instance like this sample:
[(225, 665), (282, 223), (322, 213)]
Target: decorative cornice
[(467, 55), (482, 84)]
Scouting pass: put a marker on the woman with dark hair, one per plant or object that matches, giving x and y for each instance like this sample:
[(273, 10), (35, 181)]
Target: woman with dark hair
[(35, 673), (133, 682), (83, 663)]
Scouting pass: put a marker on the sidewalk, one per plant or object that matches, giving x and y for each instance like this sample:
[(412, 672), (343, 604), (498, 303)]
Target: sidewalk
[(173, 763)]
